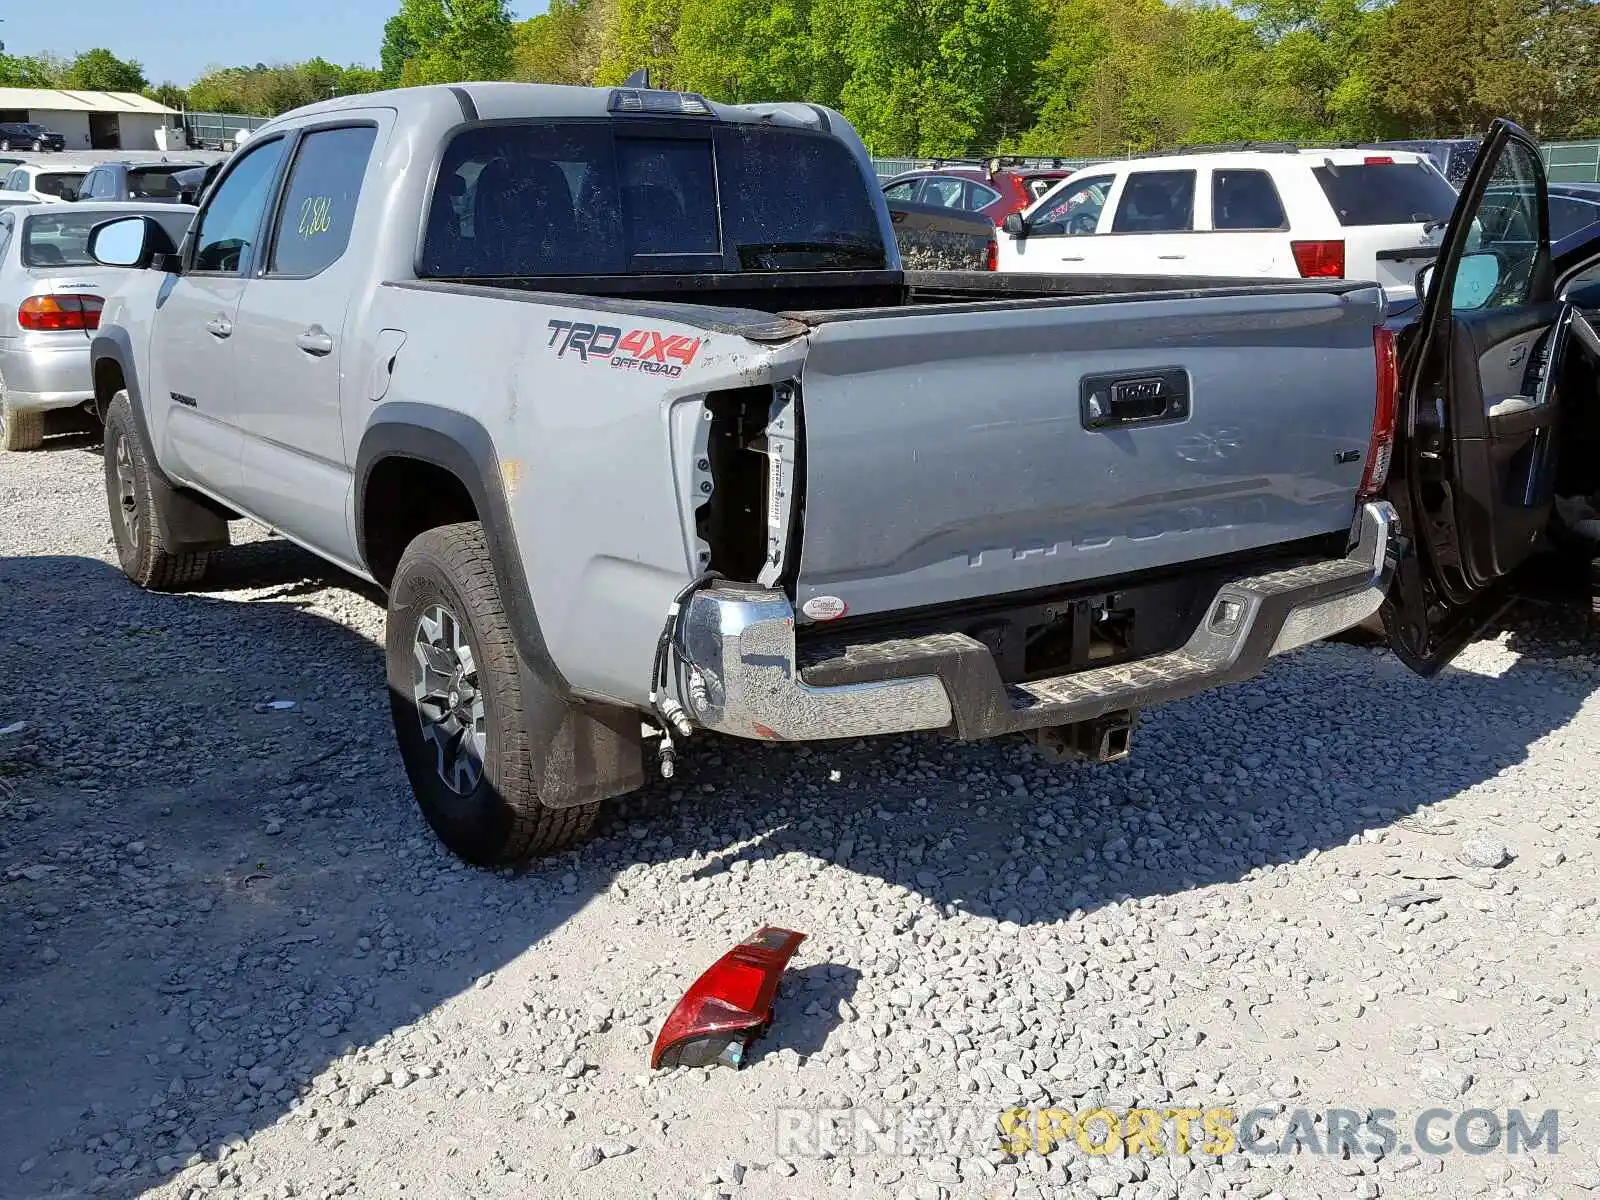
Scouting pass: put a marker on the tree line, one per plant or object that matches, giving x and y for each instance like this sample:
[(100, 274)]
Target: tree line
[(953, 77)]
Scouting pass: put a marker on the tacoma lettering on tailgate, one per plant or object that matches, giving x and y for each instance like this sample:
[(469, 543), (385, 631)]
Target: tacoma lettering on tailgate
[(644, 350)]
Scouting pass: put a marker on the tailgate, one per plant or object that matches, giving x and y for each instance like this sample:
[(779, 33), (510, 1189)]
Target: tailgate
[(962, 454)]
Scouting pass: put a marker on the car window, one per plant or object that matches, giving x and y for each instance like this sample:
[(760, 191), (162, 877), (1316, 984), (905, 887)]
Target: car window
[(548, 198), (225, 239), (906, 190), (1156, 202), (150, 183), (58, 183), (319, 205), (7, 228), (56, 235), (943, 191), (1040, 184), (1075, 209), (671, 190), (980, 196), (1497, 269), (1570, 215), (1245, 200), (17, 181), (1383, 192)]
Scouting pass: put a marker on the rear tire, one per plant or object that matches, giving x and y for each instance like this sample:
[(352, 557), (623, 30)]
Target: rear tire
[(460, 715), (5, 143), (131, 501), (20, 428)]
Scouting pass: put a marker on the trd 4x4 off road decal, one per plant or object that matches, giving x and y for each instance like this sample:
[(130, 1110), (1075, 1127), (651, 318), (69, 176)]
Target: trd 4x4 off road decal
[(646, 350)]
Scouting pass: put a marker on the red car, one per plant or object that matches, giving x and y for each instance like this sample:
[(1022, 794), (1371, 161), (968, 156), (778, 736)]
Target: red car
[(994, 188)]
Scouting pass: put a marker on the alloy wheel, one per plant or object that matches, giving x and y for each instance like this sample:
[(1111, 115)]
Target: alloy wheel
[(127, 494), (444, 685)]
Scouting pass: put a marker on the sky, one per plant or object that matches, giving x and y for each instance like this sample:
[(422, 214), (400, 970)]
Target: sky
[(177, 40)]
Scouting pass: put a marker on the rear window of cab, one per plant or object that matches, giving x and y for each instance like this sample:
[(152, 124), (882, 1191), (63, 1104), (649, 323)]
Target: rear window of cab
[(641, 197)]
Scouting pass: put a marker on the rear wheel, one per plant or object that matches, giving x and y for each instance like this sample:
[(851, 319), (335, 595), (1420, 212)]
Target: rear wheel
[(37, 144), (5, 143), (460, 715), (131, 499), (20, 428)]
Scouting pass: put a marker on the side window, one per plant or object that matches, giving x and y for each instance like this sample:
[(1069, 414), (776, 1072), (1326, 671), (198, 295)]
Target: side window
[(944, 192), (902, 191), (319, 204), (1245, 200), (225, 237), (1076, 208), (979, 196), (1497, 269), (17, 181), (7, 227), (1156, 202)]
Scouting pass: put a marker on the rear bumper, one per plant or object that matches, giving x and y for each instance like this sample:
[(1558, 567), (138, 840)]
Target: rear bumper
[(745, 677), (37, 378)]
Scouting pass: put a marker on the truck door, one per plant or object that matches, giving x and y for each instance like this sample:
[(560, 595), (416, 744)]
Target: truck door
[(1474, 459), (293, 355), (194, 384)]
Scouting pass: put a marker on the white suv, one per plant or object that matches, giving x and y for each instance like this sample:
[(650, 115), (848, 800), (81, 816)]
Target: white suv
[(1256, 213)]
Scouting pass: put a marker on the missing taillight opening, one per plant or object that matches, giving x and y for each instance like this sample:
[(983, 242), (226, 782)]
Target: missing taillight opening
[(53, 313), (748, 476)]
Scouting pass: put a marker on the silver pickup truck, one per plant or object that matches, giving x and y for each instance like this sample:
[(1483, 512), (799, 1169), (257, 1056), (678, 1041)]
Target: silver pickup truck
[(624, 399)]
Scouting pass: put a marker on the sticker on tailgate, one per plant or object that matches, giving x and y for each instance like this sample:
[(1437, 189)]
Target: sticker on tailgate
[(646, 350)]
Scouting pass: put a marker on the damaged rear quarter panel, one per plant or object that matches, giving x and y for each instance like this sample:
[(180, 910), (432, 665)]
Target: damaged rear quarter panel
[(595, 415)]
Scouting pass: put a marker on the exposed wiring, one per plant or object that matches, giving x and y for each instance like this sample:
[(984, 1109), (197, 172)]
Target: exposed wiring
[(670, 714)]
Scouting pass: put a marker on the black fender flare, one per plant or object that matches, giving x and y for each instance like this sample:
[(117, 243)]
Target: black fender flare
[(585, 751), (186, 522)]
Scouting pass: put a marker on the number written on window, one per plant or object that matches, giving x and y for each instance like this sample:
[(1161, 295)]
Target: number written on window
[(320, 203)]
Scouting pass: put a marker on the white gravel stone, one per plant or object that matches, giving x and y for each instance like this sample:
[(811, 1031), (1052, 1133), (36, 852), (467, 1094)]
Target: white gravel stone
[(232, 1014)]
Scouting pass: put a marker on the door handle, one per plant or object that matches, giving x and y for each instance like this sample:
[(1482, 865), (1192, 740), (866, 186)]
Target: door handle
[(315, 340), (1171, 257), (1072, 258), (219, 327), (1116, 401)]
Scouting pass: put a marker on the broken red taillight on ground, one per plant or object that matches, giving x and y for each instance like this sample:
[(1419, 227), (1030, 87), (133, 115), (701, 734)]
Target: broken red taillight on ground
[(729, 1006)]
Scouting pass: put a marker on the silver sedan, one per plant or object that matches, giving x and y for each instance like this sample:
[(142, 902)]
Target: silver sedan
[(51, 293)]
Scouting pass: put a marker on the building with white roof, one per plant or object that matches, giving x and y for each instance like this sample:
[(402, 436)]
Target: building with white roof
[(91, 120)]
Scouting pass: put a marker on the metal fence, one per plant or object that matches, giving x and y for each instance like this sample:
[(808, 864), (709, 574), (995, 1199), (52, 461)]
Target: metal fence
[(1572, 162), (890, 167), (217, 131)]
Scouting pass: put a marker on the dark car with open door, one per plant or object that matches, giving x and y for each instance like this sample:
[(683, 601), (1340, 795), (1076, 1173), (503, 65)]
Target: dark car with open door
[(1498, 400)]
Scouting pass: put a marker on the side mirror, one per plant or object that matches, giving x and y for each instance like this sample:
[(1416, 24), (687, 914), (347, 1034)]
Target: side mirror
[(123, 242), (1425, 280), (70, 195), (1476, 280), (1015, 225)]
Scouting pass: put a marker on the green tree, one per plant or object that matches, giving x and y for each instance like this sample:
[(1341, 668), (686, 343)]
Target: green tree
[(399, 47), (643, 35), (99, 70), (562, 44), (169, 94), (458, 40)]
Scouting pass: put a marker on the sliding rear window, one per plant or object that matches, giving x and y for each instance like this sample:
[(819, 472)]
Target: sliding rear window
[(631, 197), (1396, 193)]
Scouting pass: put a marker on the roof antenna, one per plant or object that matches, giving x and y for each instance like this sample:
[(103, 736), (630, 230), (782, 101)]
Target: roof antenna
[(639, 79)]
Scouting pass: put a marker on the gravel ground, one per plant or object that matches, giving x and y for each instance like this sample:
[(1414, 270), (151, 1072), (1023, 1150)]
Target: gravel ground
[(236, 963)]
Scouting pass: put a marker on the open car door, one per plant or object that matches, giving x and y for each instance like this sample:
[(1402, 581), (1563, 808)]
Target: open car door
[(1474, 459)]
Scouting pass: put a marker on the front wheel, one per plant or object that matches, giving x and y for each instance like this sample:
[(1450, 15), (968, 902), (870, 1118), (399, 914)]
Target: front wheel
[(37, 145), (460, 715), (130, 496)]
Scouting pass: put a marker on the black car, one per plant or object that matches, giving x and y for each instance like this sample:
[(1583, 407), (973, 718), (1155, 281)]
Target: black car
[(161, 182), (26, 135)]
